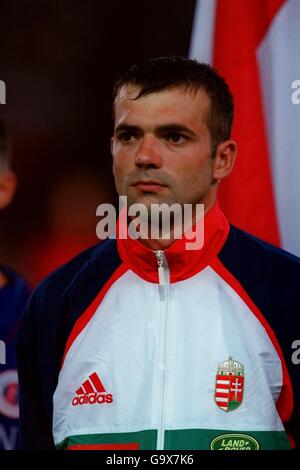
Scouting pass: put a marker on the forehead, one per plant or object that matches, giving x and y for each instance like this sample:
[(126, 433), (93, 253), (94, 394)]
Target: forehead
[(175, 104)]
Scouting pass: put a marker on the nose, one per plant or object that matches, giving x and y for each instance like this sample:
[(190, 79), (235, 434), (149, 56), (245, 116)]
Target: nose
[(149, 155)]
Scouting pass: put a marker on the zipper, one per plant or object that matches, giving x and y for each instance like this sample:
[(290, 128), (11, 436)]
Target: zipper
[(160, 257), (164, 288)]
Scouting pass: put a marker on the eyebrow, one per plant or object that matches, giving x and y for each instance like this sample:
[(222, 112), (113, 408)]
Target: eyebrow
[(172, 127), (127, 128)]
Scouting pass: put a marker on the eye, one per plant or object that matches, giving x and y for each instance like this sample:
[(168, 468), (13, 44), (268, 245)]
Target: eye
[(127, 137), (176, 138)]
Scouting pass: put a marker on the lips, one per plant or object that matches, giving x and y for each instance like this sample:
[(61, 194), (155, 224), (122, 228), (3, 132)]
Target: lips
[(148, 185)]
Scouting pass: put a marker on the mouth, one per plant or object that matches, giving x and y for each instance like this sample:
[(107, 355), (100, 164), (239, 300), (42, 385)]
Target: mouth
[(149, 185)]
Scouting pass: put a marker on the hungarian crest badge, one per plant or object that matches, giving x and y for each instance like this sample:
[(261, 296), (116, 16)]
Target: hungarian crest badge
[(230, 381)]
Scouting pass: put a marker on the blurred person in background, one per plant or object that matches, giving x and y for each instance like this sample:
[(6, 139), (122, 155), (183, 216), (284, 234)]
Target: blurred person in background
[(70, 227), (14, 293)]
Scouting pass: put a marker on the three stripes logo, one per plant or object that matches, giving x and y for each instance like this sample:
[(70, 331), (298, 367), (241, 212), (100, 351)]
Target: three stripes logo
[(92, 392)]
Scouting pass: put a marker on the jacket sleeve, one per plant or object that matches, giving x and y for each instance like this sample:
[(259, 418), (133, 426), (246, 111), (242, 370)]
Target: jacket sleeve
[(35, 417), (50, 315)]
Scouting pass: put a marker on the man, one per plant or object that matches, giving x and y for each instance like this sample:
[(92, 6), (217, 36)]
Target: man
[(13, 296), (145, 344)]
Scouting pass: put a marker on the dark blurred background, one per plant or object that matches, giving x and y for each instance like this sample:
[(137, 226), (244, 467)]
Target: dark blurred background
[(58, 59)]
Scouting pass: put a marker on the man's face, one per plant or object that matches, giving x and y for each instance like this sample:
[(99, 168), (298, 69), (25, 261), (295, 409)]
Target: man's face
[(162, 148)]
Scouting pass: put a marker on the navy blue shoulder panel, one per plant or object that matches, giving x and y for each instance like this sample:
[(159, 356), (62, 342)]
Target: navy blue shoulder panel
[(271, 277), (51, 313)]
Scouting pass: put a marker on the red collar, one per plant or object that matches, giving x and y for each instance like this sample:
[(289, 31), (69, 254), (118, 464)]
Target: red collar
[(182, 263)]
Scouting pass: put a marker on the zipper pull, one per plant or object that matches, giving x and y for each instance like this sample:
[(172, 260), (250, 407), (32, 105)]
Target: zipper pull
[(161, 272)]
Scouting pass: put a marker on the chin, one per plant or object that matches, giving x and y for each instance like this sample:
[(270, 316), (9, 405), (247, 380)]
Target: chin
[(146, 200)]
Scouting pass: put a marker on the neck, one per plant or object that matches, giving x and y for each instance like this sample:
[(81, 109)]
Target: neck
[(164, 243), (185, 257)]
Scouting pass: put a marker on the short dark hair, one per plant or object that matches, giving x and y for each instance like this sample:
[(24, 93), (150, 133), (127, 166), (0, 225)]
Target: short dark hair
[(160, 73), (5, 153)]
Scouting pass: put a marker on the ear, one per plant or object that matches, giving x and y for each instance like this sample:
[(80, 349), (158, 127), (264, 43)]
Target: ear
[(8, 184), (224, 159)]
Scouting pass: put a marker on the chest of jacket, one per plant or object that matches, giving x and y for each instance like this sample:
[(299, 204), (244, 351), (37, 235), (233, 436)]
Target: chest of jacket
[(179, 366)]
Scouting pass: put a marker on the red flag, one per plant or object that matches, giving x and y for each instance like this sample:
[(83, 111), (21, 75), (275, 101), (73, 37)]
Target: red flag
[(247, 196)]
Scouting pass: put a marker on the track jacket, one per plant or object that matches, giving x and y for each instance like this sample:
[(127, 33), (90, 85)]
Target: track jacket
[(111, 359)]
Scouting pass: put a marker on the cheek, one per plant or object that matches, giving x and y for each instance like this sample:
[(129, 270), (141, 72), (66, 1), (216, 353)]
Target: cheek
[(121, 169), (193, 170), (121, 158), (118, 163), (117, 172), (118, 177), (195, 175)]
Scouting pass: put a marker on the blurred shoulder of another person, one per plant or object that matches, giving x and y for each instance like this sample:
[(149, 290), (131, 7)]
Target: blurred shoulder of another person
[(14, 293)]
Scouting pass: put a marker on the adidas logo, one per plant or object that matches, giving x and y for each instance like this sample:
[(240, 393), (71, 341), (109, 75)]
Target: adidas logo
[(91, 392)]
